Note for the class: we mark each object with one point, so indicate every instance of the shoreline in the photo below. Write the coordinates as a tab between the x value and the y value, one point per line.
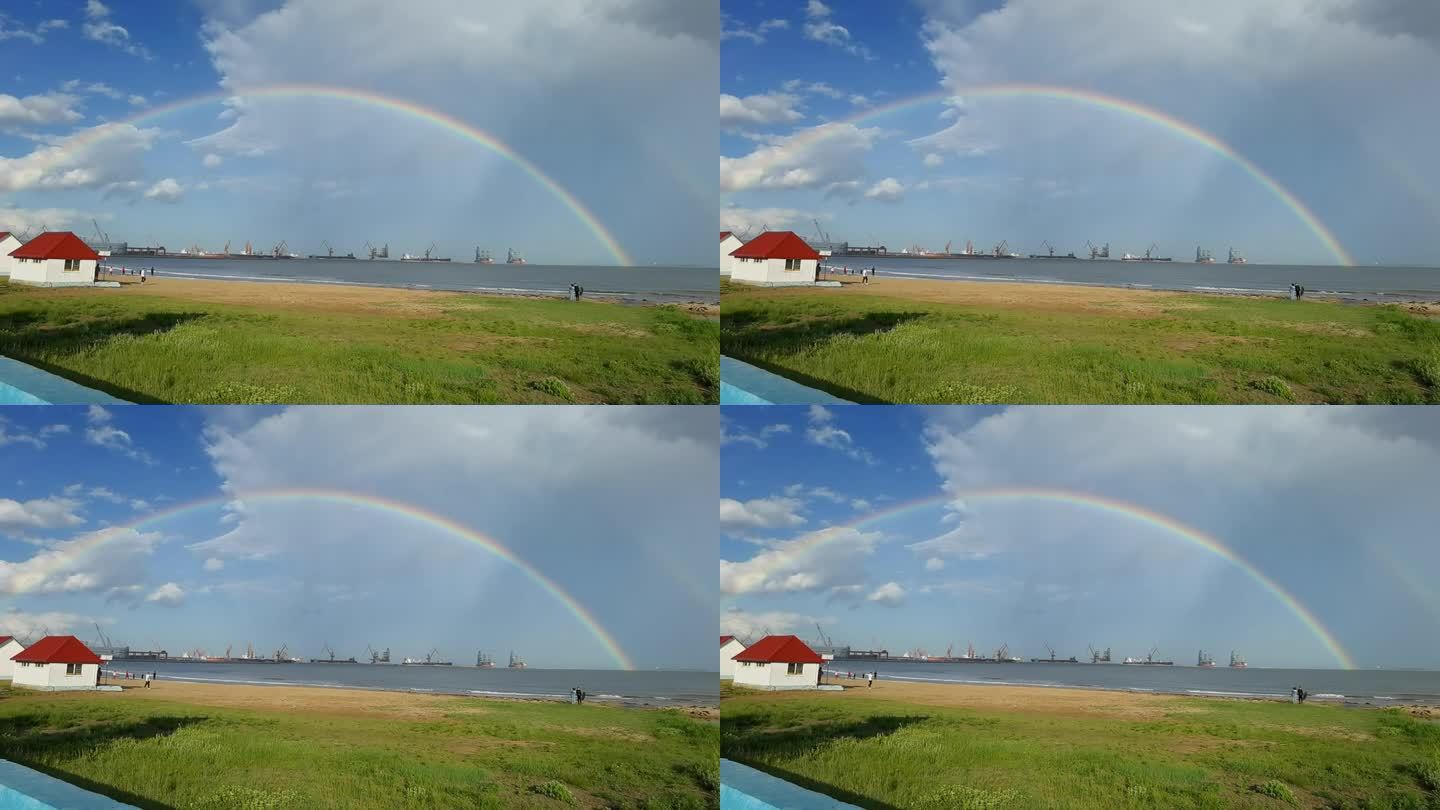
1081	699
647	298
194	685
1424	303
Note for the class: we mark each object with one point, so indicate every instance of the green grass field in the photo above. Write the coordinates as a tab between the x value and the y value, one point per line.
428	348
866	347
475	754
1198	754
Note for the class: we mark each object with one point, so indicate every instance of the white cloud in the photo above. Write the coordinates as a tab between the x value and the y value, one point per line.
823	432
99	28
753	220
167	190
91	562
212	160
213	564
730	434
89	158
890	595
820	28
731	29
101	432
812	562
32	626
43	513
807	158
170	594
758	110
934	564
932	160
887	190
39	110
760	513
750	626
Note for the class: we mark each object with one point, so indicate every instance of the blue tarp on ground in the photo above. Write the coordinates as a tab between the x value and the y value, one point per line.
23	788
21	384
744	788
744	384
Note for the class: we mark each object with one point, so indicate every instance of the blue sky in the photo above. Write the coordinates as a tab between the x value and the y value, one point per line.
1320	95
306	572
612	106
1329	503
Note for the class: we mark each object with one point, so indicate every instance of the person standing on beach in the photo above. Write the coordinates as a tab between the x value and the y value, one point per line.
869	679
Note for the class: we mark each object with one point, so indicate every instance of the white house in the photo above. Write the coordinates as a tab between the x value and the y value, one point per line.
8	243
778	662
54	259
729	243
57	662
775	258
729	648
9	647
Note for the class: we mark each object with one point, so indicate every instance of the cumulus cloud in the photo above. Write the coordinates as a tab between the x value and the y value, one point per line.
89	158
100	28
751	626
820	27
170	594
212	160
889	595
932	160
101	431
812	562
41	513
89	563
32	626
823	432
39	110
168	190
808	158
754	220
760	513
758	110
887	190
213	564
934	564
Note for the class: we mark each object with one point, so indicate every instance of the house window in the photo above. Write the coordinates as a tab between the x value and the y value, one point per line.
72	264
794	669
792	264
73	669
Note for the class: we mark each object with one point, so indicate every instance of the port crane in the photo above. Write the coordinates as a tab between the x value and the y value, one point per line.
1098	252
104	237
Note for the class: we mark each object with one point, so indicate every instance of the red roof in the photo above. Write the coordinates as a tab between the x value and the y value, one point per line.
723	640
780	650
723	235
58	650
4	639
4	234
776	245
56	245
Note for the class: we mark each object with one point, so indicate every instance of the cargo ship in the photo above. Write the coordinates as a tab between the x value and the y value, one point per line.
511	257
1051	253
1097	657
483	257
1236	662
516	662
377	254
379	657
1204	660
431	659
330	254
1202	256
332	659
484	661
1148	257
1149	660
1235	258
1052	659
425	258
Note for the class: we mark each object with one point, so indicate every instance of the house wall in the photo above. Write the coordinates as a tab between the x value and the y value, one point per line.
10	649
52	676
8	244
728	652
729	245
772	271
51	271
776	676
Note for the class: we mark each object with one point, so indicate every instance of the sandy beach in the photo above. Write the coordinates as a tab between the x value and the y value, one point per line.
318	699
1069	298
348	299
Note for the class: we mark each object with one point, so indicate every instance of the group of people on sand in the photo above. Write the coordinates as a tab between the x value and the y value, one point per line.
864	273
576	291
577	695
147	677
1298	695
1296	292
126	271
868	677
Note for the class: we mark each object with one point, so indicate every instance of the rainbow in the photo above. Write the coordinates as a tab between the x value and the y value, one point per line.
376	503
1115	104
379	101
1117	508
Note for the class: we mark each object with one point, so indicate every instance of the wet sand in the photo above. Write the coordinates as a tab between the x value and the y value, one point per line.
314	699
1033	296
